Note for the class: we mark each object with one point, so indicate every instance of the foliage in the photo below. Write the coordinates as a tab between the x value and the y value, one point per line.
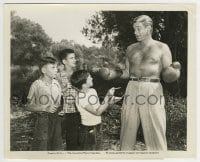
28	41
21	80
91	56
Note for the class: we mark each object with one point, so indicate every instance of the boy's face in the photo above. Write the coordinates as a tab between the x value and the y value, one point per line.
50	70
89	82
70	60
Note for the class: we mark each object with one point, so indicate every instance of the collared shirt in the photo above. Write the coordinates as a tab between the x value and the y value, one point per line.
68	92
43	93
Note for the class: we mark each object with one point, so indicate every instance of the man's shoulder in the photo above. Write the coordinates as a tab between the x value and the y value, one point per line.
132	46
160	44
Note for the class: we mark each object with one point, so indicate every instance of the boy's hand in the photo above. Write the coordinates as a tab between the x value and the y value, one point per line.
112	91
114	100
51	109
61	113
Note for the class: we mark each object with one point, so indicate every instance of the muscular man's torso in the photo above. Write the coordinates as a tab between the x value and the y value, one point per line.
145	61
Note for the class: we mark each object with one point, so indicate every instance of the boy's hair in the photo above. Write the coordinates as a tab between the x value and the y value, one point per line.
78	78
47	60
64	53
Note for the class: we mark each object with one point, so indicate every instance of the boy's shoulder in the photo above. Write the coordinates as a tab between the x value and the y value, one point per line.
36	83
93	91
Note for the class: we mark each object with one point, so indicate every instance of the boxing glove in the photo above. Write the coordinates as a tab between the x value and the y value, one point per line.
171	73
109	74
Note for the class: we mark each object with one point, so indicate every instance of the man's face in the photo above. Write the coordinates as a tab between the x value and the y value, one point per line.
50	70
70	60
141	32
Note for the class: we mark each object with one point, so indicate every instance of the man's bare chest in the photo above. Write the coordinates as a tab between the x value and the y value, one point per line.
149	55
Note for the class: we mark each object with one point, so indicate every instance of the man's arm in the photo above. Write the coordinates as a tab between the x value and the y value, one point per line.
125	72
170	71
110	74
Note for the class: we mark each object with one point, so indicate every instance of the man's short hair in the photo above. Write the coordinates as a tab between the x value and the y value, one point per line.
78	78
146	20
47	60
64	53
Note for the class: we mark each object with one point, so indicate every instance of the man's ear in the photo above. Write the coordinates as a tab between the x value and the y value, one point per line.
149	28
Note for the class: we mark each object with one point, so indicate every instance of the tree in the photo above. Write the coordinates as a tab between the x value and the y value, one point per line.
28	41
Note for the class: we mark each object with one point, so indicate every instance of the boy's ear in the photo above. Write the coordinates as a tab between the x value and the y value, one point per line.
64	61
83	85
43	70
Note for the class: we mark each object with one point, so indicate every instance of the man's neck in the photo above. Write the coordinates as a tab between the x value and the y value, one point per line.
47	79
147	41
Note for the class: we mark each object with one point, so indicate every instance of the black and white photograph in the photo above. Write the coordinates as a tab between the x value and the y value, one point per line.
99	78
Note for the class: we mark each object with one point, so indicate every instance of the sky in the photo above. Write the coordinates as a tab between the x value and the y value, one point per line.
59	22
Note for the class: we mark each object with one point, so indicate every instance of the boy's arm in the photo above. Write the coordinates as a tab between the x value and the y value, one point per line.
40	108
97	111
102	107
35	108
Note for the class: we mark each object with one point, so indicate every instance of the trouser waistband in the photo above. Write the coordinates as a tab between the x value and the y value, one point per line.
144	79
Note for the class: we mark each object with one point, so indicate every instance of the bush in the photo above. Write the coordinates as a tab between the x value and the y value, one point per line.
21	80
176	111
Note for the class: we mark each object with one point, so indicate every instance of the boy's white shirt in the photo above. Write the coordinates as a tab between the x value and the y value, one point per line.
84	99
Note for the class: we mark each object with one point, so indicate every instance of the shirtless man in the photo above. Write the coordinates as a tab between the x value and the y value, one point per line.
146	61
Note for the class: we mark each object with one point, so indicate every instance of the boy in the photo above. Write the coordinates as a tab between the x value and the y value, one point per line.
89	107
44	99
71	115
